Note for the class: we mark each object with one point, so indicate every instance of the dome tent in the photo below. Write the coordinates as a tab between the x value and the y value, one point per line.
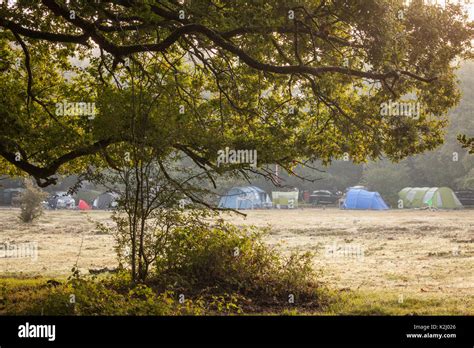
435	197
106	200
83	205
365	200
246	197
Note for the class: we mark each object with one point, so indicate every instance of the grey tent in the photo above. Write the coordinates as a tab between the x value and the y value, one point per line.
10	196
246	197
107	200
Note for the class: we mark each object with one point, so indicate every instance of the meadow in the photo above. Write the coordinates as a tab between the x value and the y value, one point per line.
383	262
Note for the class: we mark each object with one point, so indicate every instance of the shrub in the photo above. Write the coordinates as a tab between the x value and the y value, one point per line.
31	202
221	266
224	259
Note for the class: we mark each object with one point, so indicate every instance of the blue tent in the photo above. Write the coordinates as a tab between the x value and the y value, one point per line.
248	197
362	199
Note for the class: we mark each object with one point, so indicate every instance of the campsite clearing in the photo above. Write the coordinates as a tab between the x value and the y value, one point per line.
405	254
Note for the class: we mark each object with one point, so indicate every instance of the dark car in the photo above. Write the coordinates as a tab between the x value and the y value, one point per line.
466	197
323	197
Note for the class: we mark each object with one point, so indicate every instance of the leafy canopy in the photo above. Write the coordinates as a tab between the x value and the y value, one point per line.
295	80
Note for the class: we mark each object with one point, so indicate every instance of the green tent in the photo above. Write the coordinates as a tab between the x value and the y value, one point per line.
434	197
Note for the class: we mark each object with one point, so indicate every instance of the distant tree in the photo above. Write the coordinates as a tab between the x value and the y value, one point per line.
31	202
466	108
450	163
387	179
467	182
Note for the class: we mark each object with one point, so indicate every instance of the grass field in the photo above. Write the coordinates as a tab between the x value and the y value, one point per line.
391	262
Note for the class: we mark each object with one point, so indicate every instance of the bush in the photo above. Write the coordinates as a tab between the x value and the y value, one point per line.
224	259
31	202
218	266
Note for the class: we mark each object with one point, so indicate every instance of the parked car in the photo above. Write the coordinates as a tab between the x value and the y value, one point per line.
323	197
61	200
466	197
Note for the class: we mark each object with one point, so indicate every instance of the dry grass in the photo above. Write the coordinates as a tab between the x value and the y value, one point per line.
409	254
59	236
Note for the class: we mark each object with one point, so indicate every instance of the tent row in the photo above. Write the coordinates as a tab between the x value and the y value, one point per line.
63	200
252	197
